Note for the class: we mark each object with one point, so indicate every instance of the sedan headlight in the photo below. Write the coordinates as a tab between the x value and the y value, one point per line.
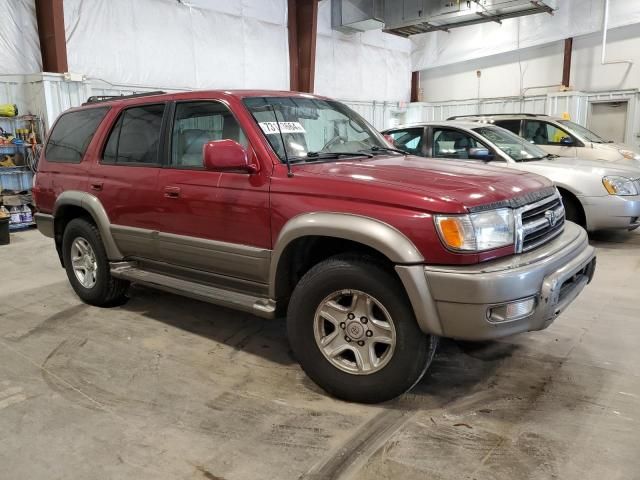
619	186
629	154
478	231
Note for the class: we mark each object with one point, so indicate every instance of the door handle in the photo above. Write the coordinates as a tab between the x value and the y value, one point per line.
97	186
172	192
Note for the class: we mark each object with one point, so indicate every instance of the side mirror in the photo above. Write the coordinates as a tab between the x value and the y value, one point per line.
480	154
567	141
226	155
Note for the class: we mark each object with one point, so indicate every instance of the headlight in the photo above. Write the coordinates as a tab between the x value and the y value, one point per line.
629	155
619	186
478	231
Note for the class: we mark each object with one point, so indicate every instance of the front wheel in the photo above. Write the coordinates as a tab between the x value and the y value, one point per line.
87	265
353	331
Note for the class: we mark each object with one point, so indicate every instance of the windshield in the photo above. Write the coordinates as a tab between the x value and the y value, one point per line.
313	128
516	147
588	135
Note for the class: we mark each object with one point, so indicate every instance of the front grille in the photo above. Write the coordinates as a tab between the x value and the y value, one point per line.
636	183
540	222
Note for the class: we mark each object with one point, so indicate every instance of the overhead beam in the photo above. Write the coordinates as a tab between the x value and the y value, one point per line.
303	28
566	67
53	44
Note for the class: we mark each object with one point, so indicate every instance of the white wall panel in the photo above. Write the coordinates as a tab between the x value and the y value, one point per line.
573	18
193	44
361	66
19	44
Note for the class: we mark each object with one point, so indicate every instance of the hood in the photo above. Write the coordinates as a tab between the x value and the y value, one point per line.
467	183
622	167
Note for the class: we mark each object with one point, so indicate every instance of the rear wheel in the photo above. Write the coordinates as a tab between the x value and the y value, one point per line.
353	331
87	265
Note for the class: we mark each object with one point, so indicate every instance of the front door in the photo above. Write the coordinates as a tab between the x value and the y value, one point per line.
217	222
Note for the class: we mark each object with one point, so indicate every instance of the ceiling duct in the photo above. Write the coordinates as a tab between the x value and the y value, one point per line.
411	17
349	16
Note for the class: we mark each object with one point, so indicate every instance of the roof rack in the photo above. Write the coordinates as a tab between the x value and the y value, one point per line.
455	117
107	98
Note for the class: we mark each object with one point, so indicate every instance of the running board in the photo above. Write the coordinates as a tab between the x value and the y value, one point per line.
259	306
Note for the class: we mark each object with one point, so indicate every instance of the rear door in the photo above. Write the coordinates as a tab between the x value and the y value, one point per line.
125	177
550	137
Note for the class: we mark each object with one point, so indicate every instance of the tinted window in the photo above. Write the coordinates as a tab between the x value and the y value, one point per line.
409	140
72	134
197	123
453	144
511	125
543	133
135	138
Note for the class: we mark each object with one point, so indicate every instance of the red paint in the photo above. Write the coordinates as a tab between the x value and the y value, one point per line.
251	208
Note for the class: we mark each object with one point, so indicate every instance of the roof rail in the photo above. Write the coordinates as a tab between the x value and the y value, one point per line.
106	98
455	117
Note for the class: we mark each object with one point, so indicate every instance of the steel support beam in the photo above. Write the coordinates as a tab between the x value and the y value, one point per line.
303	28
566	67
53	44
415	86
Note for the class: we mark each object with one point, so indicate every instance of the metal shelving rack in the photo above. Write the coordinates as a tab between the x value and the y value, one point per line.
19	178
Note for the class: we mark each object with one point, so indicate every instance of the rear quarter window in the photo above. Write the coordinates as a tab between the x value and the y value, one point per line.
72	134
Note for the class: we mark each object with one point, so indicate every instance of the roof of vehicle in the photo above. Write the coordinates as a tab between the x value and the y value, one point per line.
503	116
143	97
451	123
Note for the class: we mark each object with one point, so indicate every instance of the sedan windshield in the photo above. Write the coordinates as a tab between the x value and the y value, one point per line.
314	129
514	146
588	135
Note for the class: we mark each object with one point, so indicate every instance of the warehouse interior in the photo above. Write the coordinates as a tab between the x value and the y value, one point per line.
167	384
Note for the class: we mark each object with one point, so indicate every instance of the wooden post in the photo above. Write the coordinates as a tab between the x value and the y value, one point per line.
566	68
303	27
53	43
415	86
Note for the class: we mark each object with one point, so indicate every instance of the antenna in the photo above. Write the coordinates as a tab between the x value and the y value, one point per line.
284	147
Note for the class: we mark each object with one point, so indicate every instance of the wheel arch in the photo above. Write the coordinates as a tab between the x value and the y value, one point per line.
75	204
345	230
568	193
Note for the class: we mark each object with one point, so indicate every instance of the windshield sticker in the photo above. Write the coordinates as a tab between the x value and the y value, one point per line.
286	127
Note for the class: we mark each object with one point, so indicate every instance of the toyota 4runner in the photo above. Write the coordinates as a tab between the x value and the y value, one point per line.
281	203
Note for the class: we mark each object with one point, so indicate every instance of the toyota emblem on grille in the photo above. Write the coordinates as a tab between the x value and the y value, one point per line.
550	215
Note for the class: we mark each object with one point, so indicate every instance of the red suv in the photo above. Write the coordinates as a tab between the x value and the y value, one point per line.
286	203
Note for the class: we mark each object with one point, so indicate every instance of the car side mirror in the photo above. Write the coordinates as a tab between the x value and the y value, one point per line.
480	154
226	155
567	141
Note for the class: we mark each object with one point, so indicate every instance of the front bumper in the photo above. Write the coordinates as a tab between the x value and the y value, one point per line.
612	212
455	301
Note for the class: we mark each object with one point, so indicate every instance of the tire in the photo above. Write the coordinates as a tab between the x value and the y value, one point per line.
573	211
99	287
336	285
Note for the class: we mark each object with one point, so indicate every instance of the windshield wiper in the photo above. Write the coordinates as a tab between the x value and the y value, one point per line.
313	156
375	148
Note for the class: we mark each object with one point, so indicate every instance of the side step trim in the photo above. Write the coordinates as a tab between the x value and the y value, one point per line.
262	307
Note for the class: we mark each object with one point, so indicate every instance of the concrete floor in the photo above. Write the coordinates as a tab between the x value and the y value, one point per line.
169	388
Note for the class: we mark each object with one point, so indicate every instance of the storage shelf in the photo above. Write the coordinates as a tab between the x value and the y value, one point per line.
21	226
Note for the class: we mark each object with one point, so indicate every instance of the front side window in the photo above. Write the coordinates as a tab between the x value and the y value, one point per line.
72	134
514	146
197	123
543	133
135	138
313	128
449	143
409	140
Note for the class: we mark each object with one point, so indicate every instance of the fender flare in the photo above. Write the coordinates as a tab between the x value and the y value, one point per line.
378	235
91	205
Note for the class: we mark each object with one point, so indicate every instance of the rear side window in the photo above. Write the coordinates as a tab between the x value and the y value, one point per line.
409	140
135	138
511	125
72	134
